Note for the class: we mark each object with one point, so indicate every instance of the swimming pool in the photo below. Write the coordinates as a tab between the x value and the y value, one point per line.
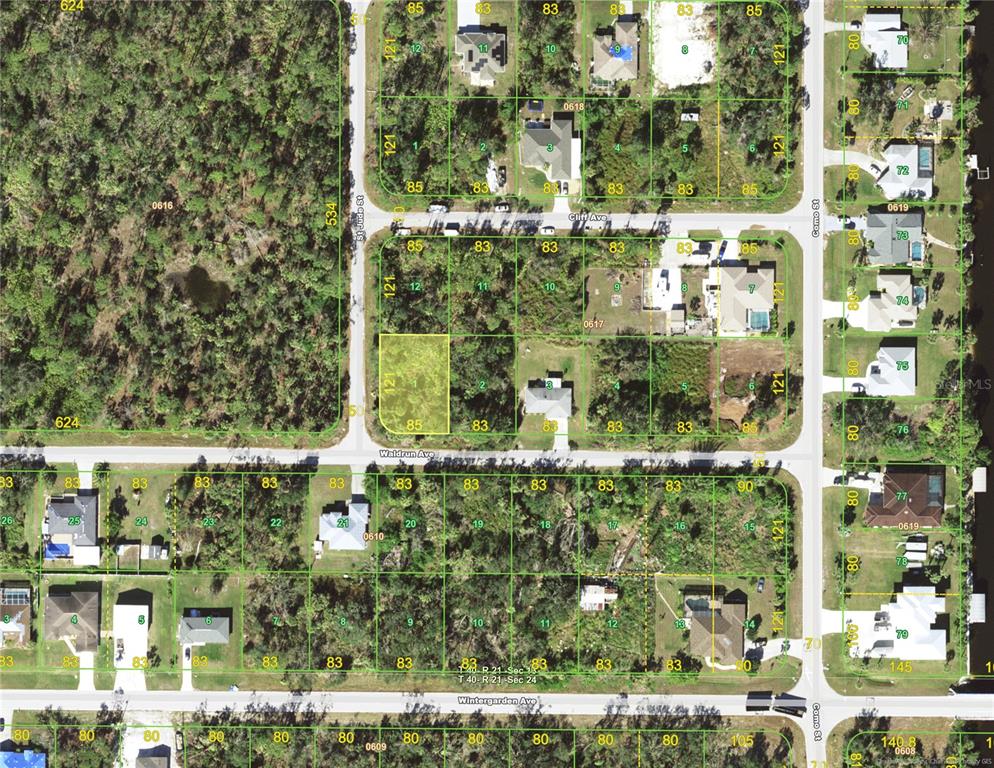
759	321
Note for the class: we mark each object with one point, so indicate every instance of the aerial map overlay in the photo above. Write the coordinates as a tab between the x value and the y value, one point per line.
509	384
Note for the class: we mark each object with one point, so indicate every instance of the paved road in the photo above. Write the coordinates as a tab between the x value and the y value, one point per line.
358	449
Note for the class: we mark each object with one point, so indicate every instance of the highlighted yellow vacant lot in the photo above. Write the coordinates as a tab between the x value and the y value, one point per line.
414	383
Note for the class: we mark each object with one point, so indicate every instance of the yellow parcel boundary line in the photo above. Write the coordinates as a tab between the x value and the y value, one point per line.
408	352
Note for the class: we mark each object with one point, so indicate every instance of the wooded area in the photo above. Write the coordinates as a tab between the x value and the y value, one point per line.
170	259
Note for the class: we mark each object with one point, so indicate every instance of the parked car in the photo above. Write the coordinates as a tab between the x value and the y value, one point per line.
761	584
548	230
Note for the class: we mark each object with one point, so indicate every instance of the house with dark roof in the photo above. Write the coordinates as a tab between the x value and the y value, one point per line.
154	757
72	613
909	497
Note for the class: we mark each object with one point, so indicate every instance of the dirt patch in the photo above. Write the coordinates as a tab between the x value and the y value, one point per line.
744	366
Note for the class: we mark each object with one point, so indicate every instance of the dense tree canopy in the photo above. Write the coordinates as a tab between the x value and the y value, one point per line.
167	258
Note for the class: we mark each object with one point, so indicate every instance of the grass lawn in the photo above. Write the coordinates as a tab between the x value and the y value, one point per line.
838	267
134	503
866	192
218	595
834	500
942	222
536	357
613	301
851	678
880	566
835	357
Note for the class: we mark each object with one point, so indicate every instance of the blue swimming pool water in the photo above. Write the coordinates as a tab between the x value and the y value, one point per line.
623	52
759	321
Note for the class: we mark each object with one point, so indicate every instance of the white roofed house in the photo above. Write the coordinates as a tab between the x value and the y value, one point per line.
907	628
551	398
883	34
893	373
894	304
597	596
909	172
132	615
741	297
342	526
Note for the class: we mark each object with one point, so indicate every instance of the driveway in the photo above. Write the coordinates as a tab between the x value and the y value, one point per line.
87	660
187	684
864	161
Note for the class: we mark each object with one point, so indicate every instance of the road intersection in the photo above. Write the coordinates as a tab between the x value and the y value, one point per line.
803	459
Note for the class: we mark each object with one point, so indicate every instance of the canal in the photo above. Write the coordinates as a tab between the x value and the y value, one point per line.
981	318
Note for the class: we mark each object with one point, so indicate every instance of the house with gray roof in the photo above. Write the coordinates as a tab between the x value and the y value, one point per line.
152	761
154	757
909	172
550	397
199	626
483	53
69	529
895	237
616	53
552	147
72	613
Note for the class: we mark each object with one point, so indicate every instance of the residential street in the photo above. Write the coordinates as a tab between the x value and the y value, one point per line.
802	459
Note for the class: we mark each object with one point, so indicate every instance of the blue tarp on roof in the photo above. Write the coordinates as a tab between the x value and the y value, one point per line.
53	551
29	759
623	52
